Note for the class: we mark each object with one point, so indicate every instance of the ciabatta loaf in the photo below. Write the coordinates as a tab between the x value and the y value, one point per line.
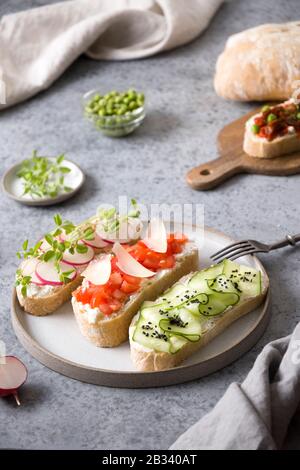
260	63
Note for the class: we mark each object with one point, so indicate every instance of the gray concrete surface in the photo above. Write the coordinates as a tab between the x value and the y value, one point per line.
184	117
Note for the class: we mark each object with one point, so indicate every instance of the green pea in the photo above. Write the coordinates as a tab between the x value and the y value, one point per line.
132	105
265	108
122	110
271	117
101	112
96	97
298	116
255	129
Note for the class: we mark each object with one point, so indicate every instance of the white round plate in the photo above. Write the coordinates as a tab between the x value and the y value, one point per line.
13	186
55	340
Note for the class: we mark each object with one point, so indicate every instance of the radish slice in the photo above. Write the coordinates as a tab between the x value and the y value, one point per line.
99	270
129	229
45	246
128	264
28	269
78	259
156	238
47	273
13	375
96	243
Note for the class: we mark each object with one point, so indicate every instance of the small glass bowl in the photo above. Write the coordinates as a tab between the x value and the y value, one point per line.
114	126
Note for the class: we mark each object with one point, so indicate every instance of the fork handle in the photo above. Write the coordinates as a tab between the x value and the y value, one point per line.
288	240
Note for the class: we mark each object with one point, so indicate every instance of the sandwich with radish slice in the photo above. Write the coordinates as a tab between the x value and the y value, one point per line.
51	270
116	284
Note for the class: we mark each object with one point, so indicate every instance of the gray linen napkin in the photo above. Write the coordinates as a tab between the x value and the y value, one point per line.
36	46
254	415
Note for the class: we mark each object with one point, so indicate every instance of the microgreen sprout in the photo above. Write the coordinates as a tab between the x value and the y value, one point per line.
43	176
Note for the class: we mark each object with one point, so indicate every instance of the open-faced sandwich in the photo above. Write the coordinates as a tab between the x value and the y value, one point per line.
116	284
192	312
275	131
51	270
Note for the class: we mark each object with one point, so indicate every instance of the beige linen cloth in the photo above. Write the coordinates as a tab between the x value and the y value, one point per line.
36	46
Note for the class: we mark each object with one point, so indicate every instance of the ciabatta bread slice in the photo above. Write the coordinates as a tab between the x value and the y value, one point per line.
273	132
110	331
256	146
148	360
41	305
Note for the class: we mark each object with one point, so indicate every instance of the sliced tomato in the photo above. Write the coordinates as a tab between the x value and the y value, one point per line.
119	295
132	279
128	288
114	305
115	279
167	263
105	309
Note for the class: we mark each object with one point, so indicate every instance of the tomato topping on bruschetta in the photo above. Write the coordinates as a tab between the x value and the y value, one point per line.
110	297
276	121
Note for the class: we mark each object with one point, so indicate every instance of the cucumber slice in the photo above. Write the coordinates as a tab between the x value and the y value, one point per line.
176	343
154	311
246	280
150	336
218	302
182	322
221	284
198	281
193	304
175	292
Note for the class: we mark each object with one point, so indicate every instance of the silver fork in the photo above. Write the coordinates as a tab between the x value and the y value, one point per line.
249	247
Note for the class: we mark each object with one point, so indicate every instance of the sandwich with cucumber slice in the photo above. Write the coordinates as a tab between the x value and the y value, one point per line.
190	314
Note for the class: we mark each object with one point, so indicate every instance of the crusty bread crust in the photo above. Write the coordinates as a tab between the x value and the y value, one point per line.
41	306
150	361
262	148
260	64
112	331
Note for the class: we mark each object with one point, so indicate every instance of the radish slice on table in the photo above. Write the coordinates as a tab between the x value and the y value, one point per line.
28	269
99	270
77	259
128	264
47	272
13	374
156	238
96	243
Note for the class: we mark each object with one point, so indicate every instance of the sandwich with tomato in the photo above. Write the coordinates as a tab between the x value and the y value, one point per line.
117	283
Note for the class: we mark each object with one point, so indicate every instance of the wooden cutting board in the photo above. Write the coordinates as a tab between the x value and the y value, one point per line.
233	160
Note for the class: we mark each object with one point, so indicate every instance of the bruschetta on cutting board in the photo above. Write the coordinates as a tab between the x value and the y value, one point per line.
273	132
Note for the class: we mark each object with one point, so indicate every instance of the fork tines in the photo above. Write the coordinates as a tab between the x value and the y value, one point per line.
233	251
